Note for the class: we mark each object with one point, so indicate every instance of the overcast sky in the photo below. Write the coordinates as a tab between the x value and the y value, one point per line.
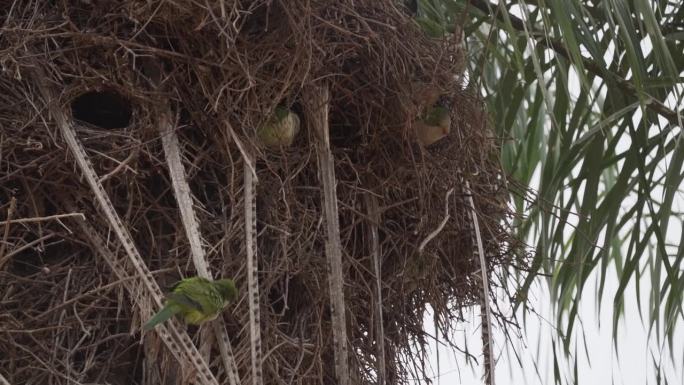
632	365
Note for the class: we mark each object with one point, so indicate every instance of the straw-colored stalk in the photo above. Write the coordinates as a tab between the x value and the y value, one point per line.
252	277
183	197
374	214
485	310
317	99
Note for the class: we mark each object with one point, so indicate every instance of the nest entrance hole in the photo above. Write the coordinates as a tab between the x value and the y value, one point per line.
106	109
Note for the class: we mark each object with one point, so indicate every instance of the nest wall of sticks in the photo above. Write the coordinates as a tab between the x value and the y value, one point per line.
130	157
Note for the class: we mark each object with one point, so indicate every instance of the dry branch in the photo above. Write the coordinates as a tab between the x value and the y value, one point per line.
3	380
183	196
487	339
41	219
317	101
373	213
10	213
252	274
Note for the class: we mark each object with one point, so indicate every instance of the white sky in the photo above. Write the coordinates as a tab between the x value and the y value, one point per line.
631	365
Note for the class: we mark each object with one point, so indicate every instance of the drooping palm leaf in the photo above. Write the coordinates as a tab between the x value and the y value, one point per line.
586	97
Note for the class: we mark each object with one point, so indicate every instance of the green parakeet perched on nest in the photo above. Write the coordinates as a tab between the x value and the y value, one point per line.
196	300
280	129
433	125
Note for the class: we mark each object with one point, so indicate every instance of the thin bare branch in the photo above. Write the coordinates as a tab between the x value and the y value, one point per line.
317	99
252	274
487	339
189	219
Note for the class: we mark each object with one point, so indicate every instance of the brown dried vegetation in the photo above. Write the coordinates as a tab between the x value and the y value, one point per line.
65	315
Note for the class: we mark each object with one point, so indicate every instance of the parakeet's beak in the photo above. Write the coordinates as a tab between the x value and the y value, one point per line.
280	129
433	126
227	289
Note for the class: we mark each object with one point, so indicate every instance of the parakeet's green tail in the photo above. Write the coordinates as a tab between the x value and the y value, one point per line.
164	314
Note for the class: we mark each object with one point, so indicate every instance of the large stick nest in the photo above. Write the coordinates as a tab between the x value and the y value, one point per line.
65	316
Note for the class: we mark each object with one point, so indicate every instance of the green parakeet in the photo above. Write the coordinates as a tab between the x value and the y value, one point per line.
434	125
196	300
280	129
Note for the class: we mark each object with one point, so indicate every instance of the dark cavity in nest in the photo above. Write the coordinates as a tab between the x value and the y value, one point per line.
105	109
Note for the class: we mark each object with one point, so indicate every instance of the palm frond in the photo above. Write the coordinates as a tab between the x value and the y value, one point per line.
586	98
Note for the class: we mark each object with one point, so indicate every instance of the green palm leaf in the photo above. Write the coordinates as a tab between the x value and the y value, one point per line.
587	96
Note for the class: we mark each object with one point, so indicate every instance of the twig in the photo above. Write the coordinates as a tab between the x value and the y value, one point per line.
427	239
373	213
3	380
88	293
185	204
41	219
5	236
181	191
441	225
486	311
24	247
252	276
241	147
120	166
317	99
